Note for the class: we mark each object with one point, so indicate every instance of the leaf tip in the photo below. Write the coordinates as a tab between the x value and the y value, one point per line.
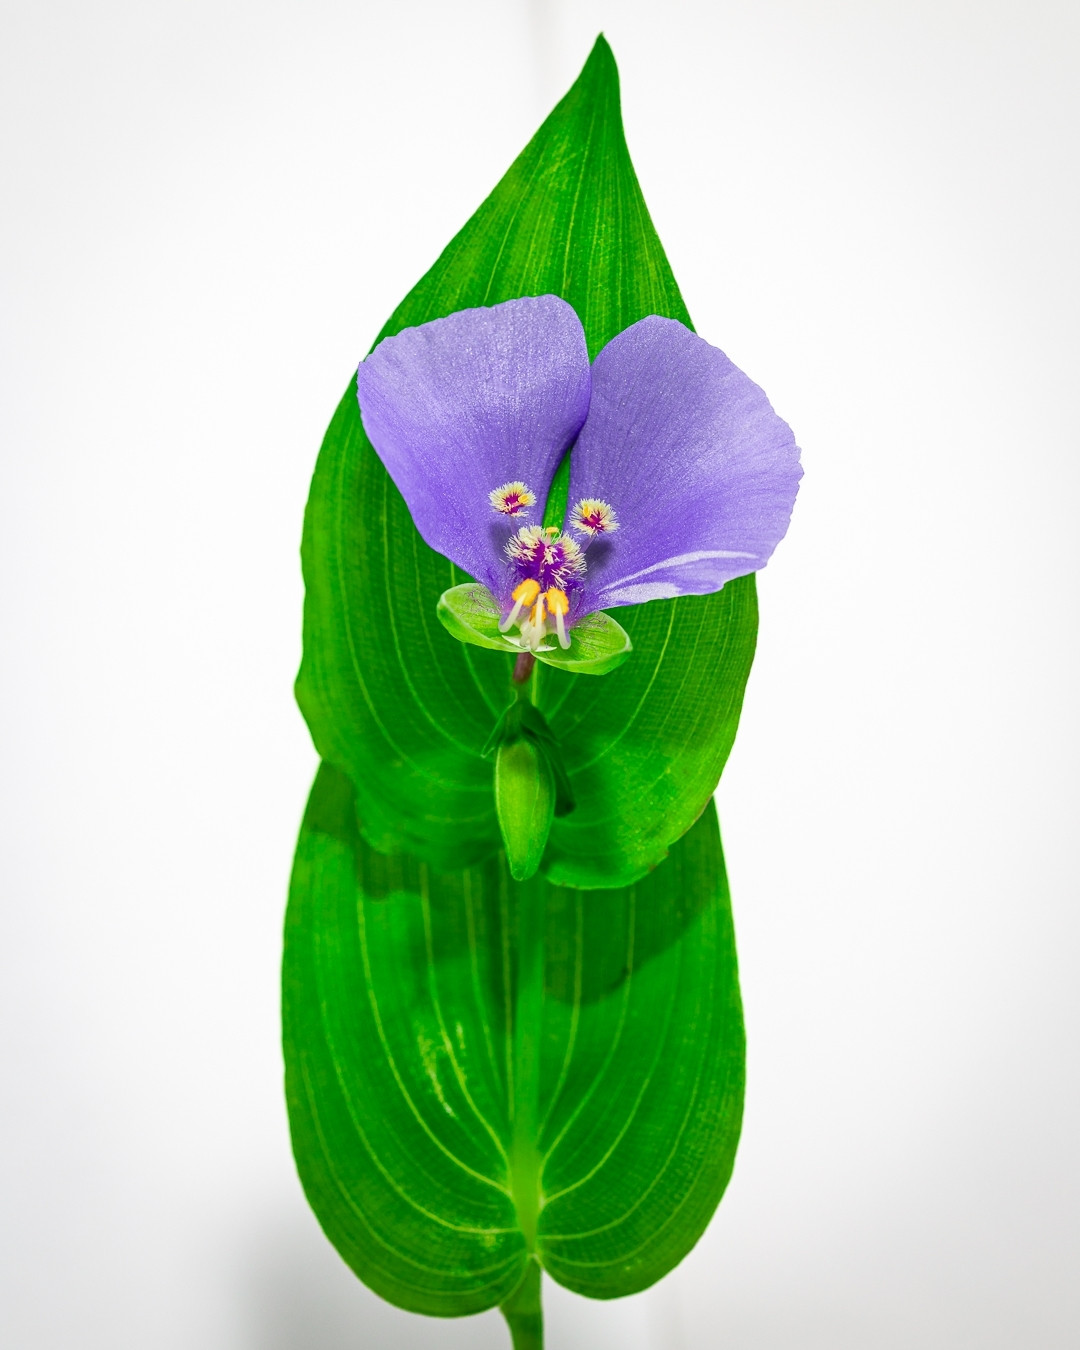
600	69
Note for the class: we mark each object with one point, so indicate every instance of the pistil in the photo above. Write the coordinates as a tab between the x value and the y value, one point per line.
534	629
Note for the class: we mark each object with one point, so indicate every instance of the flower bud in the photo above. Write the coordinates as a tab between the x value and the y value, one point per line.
525	803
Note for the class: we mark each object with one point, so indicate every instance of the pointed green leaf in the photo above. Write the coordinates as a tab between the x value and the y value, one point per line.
390	697
475	1067
644	747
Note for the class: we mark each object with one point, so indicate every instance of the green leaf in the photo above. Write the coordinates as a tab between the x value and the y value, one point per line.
644	747
477	1068
389	696
597	643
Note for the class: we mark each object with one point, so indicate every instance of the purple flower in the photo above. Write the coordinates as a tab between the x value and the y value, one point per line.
681	475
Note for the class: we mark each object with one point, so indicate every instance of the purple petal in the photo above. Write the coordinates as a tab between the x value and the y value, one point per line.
462	405
700	471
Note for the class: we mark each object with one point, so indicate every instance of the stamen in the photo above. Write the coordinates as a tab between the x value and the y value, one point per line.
559	605
512	499
522	595
592	516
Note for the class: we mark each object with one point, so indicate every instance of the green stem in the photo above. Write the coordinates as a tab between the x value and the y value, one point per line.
523	1312
522	1308
528	1011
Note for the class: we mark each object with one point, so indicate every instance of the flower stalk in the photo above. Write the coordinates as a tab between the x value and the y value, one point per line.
523	668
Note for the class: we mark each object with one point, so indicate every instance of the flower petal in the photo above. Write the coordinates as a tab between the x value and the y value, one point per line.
700	471
462	405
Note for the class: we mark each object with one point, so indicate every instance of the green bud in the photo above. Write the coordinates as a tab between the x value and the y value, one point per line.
525	803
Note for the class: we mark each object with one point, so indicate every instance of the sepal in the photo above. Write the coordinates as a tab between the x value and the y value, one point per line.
597	643
470	614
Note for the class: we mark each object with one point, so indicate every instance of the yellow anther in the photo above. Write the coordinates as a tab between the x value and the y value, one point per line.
522	595
526	592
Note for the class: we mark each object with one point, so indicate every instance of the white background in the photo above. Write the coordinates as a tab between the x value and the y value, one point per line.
209	208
